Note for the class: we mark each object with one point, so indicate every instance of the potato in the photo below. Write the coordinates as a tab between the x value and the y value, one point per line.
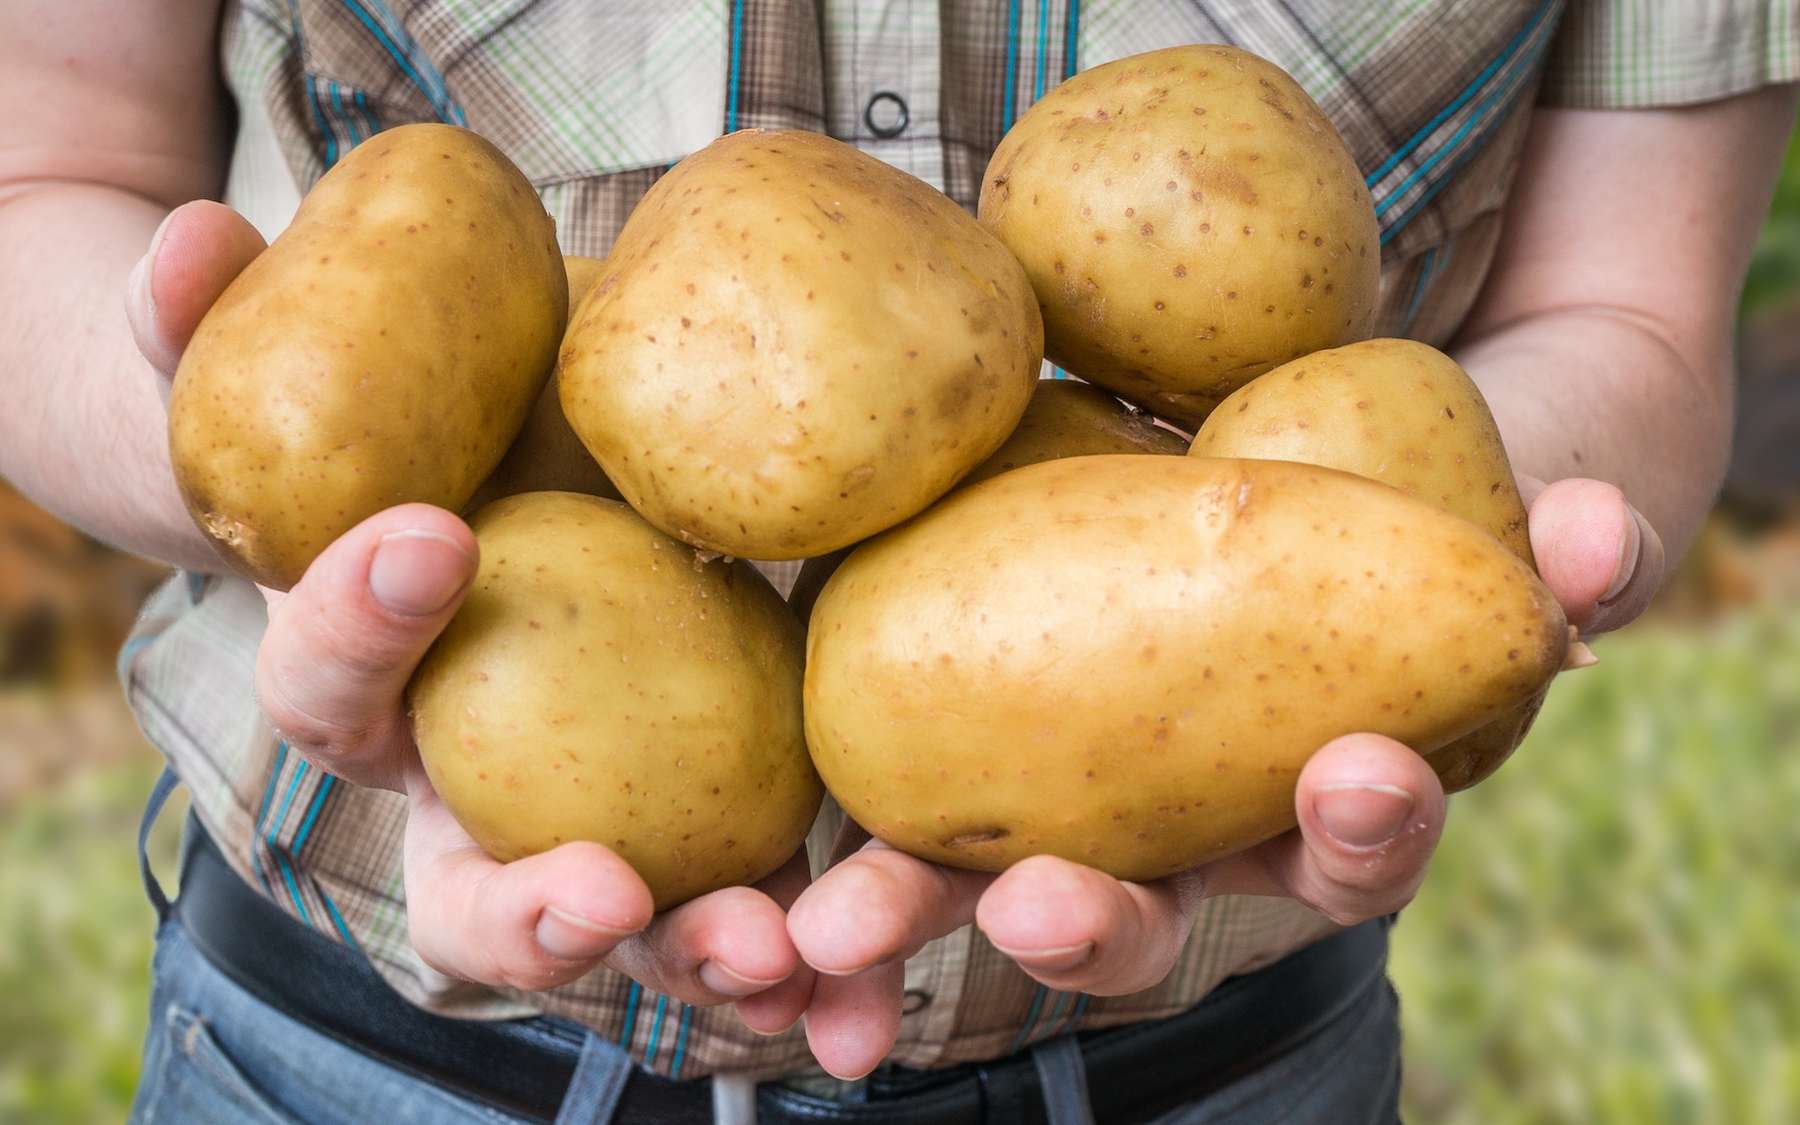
384	349
600	683
1407	415
547	456
1189	219
1125	661
583	274
1064	418
794	346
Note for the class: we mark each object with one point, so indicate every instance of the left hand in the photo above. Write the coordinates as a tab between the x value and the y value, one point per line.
1370	812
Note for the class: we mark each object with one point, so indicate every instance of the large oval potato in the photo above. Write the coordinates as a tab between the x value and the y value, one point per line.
1125	661
1405	414
1065	418
795	346
1189	219
384	349
600	683
547	456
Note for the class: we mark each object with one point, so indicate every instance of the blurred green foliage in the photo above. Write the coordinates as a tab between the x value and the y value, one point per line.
75	938
1775	267
1607	933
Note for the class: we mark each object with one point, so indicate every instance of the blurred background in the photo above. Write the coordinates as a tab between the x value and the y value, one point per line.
1608	933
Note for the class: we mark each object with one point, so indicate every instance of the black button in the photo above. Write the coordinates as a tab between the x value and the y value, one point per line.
894	114
914	1000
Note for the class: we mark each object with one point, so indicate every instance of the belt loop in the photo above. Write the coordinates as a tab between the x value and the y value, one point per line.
1062	1076
597	1084
159	796
734	1099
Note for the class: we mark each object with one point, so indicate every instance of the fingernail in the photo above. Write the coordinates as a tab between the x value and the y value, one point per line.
1058	960
1363	816
725	982
572	938
138	283
1628	557
415	573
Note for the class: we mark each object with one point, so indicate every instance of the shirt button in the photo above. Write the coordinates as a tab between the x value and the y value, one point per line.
886	114
914	1000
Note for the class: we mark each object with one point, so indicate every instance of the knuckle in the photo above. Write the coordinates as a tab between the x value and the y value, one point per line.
319	736
1352	898
531	974
1343	916
361	646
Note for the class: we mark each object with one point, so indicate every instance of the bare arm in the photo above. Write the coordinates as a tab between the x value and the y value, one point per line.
1603	337
113	115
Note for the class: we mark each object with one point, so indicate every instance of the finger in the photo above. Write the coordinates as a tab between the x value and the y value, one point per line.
854	1020
1370	812
196	252
879	906
719	947
780	1007
1080	930
1598	554
340	647
531	924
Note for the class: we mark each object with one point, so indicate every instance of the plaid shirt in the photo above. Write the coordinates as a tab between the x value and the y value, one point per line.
595	100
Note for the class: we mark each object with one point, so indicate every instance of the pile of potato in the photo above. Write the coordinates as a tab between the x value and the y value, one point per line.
1047	631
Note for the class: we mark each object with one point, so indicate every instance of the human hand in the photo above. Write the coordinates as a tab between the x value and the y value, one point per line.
1370	812
331	676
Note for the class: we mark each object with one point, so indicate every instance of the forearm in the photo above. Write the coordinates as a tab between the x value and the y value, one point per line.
1595	392
1603	335
83	432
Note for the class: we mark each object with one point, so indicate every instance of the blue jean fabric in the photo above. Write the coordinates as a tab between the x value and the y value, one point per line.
216	1053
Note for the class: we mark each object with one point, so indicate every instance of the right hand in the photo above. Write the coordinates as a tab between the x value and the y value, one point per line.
331	676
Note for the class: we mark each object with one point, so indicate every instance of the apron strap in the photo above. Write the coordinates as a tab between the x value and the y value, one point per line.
1062	1075
597	1085
159	796
734	1099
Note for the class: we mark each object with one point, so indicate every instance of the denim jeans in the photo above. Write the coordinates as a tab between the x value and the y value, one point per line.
215	1052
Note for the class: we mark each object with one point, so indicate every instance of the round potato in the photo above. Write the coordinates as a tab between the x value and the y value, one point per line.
1407	415
794	346
1189	219
547	456
1126	661
1065	418
601	683
384	349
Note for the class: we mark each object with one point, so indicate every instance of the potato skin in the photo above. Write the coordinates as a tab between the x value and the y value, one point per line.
600	683
1189	219
1065	418
547	456
384	349
795	346
1405	414
1125	661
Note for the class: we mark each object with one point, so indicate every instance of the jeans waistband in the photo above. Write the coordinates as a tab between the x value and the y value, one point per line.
526	1066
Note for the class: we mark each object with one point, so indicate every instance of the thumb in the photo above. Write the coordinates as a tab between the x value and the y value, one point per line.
196	252
341	645
1597	553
